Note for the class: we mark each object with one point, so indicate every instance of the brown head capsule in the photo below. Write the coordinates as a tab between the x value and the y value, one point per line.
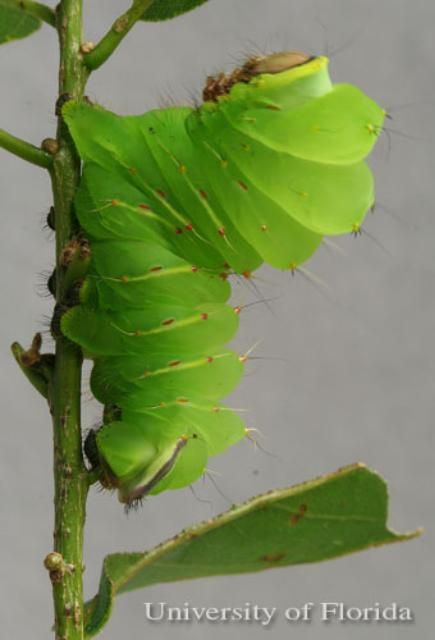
221	84
276	62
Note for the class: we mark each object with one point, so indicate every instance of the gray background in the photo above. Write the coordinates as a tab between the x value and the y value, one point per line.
357	379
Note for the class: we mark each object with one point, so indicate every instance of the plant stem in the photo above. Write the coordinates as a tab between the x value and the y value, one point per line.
25	150
70	475
37	9
116	34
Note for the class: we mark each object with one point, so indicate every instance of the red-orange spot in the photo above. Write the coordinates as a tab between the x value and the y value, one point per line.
243	185
114	203
223	275
189	227
182	400
221	231
237	310
161	193
247	274
154	269
204	316
178	230
210	359
137	333
194	269
167	322
144	206
203	194
174	363
125	278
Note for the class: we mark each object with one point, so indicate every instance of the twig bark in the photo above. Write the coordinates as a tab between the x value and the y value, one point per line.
116	34
25	150
58	377
70	475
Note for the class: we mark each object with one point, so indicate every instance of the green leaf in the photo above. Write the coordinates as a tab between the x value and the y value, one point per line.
165	9
15	23
328	517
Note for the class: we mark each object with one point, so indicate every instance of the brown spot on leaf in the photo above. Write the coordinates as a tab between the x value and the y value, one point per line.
295	517
192	536
273	557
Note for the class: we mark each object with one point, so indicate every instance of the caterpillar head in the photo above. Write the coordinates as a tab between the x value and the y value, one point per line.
274	63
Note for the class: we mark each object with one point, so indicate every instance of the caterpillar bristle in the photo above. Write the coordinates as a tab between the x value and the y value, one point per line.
333	246
256	443
208	473
198	499
379	206
360	231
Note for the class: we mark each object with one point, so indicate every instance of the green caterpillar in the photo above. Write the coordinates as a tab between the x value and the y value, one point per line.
175	201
